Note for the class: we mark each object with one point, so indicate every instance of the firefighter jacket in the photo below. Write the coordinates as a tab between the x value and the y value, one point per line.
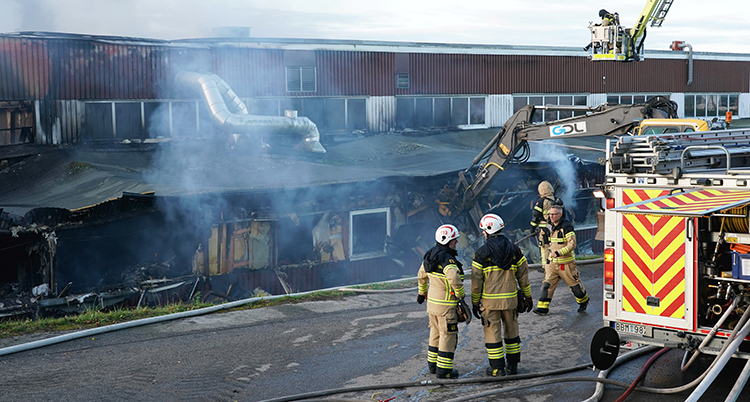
542	205
444	274
562	239
496	268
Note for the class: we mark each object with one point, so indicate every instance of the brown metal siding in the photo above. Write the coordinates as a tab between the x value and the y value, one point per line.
35	69
504	74
24	69
251	72
355	74
66	69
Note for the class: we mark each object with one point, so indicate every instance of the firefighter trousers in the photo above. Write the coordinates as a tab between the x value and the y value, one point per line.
443	340
495	321
553	272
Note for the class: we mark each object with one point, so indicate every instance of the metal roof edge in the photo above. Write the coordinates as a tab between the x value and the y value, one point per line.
367	45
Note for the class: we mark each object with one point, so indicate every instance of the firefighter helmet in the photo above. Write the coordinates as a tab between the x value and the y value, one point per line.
444	234
491	223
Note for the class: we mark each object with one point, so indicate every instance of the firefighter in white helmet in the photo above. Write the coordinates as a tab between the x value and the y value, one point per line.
444	274
499	268
561	262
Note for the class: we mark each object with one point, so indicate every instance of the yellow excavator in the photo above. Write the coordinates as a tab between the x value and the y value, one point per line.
612	41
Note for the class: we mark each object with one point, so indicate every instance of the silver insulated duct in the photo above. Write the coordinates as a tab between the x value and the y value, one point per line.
230	114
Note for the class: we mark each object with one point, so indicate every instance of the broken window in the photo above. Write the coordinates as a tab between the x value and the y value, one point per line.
368	230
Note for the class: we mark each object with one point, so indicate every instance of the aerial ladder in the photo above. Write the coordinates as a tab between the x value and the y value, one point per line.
615	42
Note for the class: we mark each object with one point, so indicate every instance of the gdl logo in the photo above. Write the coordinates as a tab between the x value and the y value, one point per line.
567	129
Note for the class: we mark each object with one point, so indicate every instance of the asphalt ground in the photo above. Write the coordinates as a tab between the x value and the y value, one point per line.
371	340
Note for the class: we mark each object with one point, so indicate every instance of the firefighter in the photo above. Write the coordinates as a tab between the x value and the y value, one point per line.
542	204
497	266
609	18
540	212
444	274
560	263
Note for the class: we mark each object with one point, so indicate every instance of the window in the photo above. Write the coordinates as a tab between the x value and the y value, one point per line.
301	79
520	101
630	99
367	232
710	105
402	81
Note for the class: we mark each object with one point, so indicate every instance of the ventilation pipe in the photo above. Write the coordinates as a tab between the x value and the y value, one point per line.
680	45
230	114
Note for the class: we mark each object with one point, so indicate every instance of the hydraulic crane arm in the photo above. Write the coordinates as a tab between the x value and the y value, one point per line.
513	136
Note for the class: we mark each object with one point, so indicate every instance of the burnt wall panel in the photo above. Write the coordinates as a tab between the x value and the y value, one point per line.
67	69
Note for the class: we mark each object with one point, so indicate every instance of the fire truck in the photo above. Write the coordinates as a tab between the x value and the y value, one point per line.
677	244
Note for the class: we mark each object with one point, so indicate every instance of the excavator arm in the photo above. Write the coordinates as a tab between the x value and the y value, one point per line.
511	141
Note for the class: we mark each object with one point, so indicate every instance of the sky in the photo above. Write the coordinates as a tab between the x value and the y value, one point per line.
708	26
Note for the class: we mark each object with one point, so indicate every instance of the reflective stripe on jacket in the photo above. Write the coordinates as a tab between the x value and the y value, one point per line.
442	289
562	238
498	269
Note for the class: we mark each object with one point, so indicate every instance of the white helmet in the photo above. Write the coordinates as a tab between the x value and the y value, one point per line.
491	223
445	234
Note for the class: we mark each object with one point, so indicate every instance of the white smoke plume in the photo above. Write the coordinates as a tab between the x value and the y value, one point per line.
556	154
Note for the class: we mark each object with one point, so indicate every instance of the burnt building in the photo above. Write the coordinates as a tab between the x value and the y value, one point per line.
119	183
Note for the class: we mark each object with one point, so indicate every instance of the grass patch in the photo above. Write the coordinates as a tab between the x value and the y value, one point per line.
94	318
408	283
587	257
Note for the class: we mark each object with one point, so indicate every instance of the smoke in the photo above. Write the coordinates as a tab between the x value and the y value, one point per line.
564	165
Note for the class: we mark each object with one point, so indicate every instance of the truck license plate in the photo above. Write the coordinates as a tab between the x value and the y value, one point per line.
634	329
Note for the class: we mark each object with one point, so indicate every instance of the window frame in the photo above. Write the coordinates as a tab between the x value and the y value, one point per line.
307	76
371	254
711	104
575	99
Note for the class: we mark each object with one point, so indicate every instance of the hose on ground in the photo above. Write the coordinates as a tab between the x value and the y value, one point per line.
423	383
721	361
599	392
145	321
641	374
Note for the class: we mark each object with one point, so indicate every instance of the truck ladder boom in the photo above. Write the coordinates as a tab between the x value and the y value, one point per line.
661	12
690	152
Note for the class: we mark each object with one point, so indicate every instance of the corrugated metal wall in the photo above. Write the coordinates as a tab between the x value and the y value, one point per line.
62	68
381	113
58	121
74	68
59	69
504	74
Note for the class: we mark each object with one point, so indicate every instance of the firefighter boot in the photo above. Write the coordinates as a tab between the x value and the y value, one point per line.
542	307
512	369
581	297
432	358
445	365
432	367
495	372
446	373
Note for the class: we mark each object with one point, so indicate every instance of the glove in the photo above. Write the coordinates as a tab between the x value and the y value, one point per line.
475	311
528	304
420	299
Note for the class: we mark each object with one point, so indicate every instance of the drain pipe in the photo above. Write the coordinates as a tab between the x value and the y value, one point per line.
680	45
215	94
